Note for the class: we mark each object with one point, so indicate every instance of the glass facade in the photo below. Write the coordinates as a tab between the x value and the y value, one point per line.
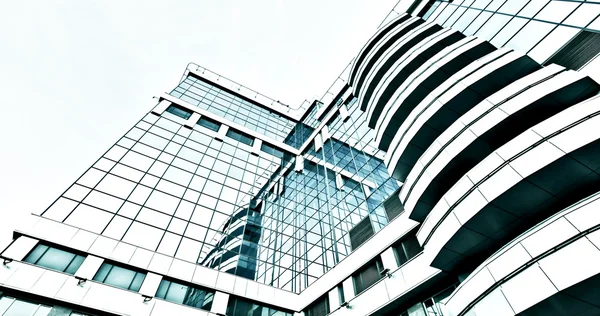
214	194
537	27
184	193
233	108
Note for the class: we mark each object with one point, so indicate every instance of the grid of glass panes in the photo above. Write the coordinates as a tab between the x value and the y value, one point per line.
351	148
233	108
166	188
303	129
307	226
537	27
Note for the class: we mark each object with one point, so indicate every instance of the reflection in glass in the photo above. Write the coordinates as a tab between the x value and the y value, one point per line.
184	294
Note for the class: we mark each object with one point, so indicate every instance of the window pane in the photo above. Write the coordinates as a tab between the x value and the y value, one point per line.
183	294
137	282
20	308
35	255
55	259
103	272
197	297
162	289
239	136
75	264
120	277
412	247
183	113
176	293
208	123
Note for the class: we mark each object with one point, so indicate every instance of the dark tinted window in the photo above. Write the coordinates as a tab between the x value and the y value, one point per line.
578	52
361	232
55	259
319	308
368	275
393	207
406	249
120	277
271	150
240	137
179	111
186	295
210	124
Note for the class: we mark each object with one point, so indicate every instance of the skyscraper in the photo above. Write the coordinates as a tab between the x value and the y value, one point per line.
451	169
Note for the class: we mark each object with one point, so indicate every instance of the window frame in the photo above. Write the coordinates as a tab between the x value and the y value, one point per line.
186	295
400	244
357	277
120	266
76	255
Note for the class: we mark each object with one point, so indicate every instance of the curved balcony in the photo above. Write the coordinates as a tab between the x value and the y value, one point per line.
552	267
383	48
374	72
545	169
486	127
374	41
422	82
419	54
449	101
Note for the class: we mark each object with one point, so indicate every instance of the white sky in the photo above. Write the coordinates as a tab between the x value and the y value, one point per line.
76	75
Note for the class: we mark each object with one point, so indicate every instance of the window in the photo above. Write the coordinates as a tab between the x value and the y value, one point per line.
186	295
55	259
361	232
340	289
241	307
179	111
578	52
10	306
240	137
367	275
319	308
271	150
393	206
208	123
120	277
407	249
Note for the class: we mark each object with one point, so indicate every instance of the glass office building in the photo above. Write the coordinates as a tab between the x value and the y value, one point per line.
451	169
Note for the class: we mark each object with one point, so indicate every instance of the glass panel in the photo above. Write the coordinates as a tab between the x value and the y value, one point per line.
242	138
44	311
137	282
210	124
20	308
55	259
120	277
162	289
183	113
35	255
176	293
103	272
5	303
75	264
